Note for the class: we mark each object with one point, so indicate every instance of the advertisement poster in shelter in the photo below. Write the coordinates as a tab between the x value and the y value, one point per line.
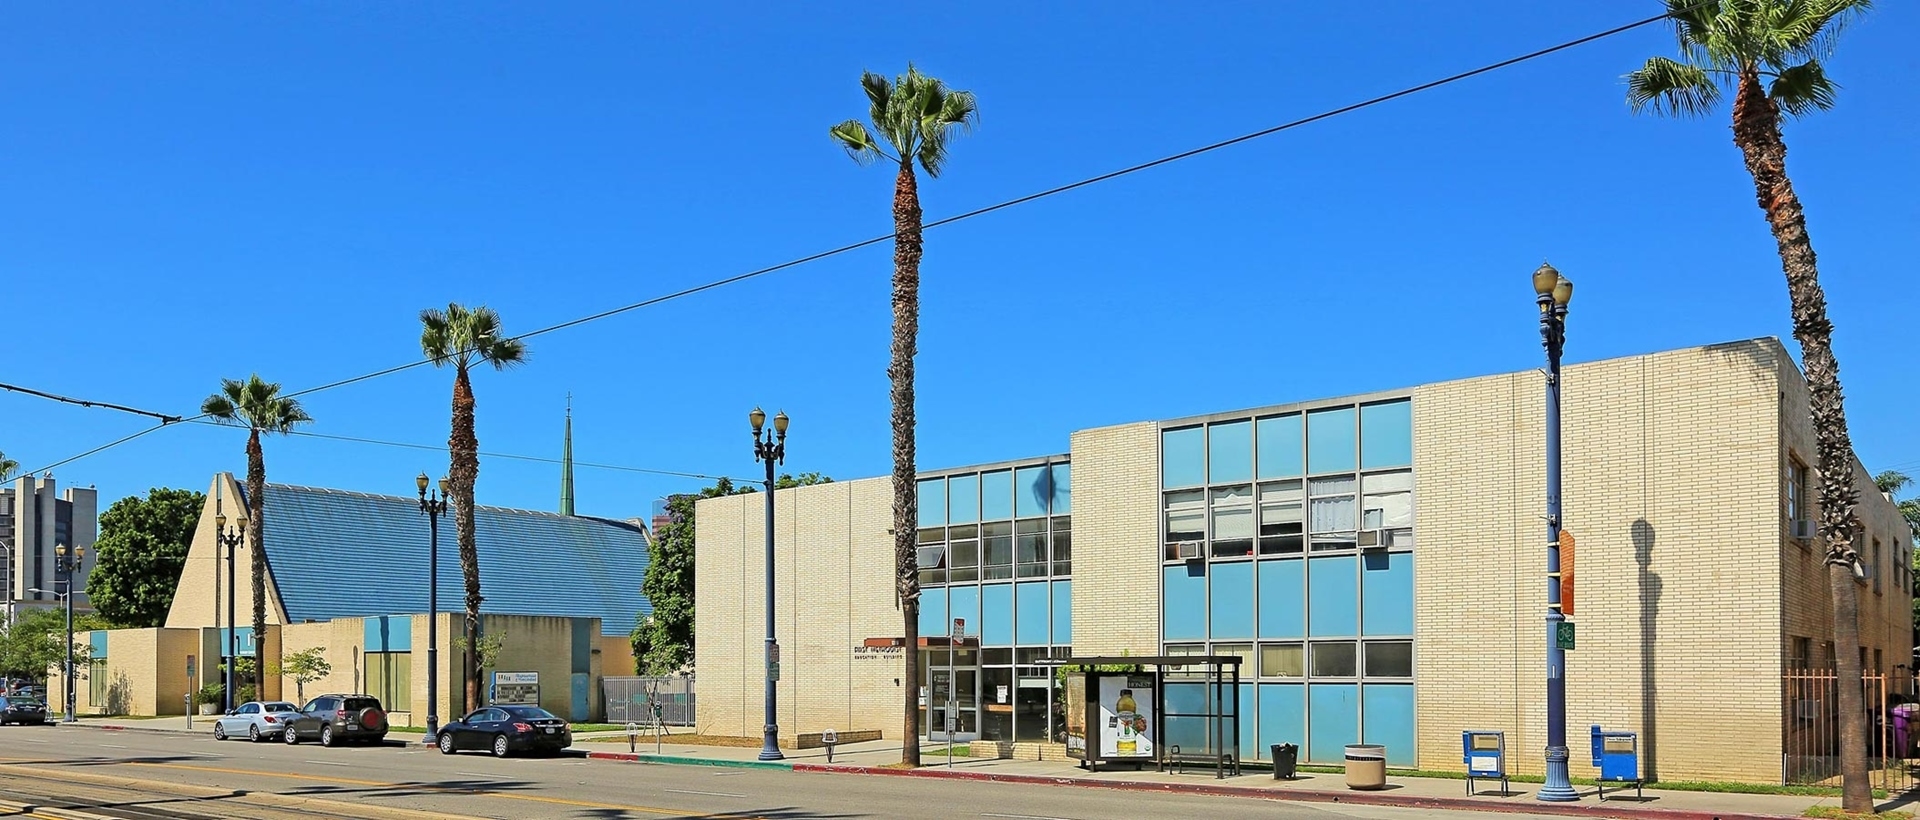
1076	695
1126	716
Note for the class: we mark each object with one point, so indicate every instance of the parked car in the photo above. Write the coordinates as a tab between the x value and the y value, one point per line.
22	710
505	730
256	720
336	719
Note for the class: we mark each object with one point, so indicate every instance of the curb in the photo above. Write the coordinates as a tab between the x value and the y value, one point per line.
630	757
114	727
1351	797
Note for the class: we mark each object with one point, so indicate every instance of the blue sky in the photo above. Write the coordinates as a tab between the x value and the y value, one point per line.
203	191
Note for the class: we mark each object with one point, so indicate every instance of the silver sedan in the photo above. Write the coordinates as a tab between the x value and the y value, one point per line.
255	720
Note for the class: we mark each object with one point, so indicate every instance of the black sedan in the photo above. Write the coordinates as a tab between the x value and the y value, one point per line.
22	710
505	730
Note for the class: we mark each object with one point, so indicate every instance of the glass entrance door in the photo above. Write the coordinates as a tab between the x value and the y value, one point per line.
955	693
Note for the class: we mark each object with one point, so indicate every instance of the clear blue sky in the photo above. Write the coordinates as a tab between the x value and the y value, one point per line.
198	192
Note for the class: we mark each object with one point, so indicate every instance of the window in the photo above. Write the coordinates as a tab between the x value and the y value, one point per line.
1061	481
1386	501
1030	548
932	555
1333	660
1796	493
1063	546
1280	518
933	502
963	553
1386	434
1876	661
1230	452
1331	513
1233	521
1183	457
963	499
97	693
1392	659
996	495
1279	446
1285	660
390	678
1033	489
1330	441
1186	520
996	541
1875	571
1801	656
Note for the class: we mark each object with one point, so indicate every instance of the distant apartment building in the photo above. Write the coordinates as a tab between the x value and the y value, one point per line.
34	521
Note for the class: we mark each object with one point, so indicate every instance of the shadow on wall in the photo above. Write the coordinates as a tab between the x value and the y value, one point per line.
120	695
1650	590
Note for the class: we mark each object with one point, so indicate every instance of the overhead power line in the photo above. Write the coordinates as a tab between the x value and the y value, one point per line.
14	388
1022	200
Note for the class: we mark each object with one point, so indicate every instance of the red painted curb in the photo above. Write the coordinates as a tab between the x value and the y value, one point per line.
1386	798
612	756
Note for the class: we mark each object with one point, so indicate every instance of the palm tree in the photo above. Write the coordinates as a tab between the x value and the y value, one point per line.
7	466
259	406
917	115
1768	52
1890	482
464	338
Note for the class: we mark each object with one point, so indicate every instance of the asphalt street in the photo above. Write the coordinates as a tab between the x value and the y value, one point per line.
82	774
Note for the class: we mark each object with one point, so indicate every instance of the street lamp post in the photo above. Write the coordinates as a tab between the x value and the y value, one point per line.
434	506
1552	292
771	448
69	563
229	539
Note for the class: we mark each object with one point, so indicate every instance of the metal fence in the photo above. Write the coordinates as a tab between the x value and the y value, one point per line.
1810	731
630	699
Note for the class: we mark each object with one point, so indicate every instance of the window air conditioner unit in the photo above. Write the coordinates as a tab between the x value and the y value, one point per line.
1861	572
1803	528
1189	550
1375	539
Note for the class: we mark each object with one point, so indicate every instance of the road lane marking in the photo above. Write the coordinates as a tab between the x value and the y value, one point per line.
486	776
111	746
709	794
559	801
1023	817
328	763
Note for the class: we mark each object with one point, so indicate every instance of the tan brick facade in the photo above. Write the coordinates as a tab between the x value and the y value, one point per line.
1116	540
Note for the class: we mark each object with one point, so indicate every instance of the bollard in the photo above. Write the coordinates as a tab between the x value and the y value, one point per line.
189	700
633	737
829	738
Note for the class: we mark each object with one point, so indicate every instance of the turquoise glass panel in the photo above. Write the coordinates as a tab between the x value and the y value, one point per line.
1187	698
933	502
1283	714
1183	457
1333	605
1062	482
963	498
1250	747
241	640
1030	613
1032	489
1233	600
996	495
1283	599
996	615
1334	709
1386	594
1330	440
1278	440
933	612
1189	733
1062	613
1389	720
382	633
1230	452
1183	608
962	602
97	644
1386	435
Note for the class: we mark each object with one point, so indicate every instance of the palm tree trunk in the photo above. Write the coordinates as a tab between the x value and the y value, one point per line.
906	498
256	527
1756	130
464	449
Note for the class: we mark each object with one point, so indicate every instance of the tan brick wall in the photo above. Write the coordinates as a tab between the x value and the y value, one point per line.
1116	540
146	674
194	599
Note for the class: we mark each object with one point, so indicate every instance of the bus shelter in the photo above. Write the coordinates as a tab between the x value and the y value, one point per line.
1163	709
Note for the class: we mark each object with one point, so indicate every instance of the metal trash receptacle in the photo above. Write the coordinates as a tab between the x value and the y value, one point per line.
1366	766
1286	758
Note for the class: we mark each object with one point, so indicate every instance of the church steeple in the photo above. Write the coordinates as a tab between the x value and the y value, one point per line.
566	464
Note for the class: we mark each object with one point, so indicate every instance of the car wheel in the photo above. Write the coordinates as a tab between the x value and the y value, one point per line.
446	743
326	735
290	736
500	746
253	733
219	732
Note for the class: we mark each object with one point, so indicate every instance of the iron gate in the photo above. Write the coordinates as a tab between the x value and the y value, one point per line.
630	699
1810	731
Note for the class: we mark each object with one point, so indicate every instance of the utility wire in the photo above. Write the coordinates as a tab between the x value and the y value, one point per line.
14	388
1132	169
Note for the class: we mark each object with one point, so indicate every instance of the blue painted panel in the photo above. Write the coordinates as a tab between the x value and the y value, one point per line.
1062	613
1283	715
580	690
1330	440
1062	489
963	498
1250	747
1186	698
1386	435
1030	613
582	647
239	641
1331	596
1386	594
1183	608
1283	599
933	502
996	495
963	602
1233	600
1389	719
384	633
1033	488
1335	712
1183	457
1230	452
1278	440
97	645
996	615
1189	733
933	611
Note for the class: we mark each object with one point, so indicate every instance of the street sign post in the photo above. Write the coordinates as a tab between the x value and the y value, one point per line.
1563	635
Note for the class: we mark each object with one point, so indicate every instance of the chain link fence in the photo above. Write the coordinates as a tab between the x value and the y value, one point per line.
632	699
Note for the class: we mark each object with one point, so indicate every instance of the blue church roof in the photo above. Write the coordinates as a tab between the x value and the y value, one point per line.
338	554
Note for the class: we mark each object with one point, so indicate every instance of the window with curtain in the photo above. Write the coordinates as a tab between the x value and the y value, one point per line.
1186	517
1331	513
1233	521
1281	519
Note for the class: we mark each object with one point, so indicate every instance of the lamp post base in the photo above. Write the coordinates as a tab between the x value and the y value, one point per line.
770	750
433	731
1559	785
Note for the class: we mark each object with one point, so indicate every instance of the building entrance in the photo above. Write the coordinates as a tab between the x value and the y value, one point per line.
955	693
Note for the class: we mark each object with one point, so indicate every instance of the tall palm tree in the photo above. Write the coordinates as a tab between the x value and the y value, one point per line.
916	115
463	338
1768	53
259	407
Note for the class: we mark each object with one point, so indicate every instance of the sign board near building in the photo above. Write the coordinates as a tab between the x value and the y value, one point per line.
516	687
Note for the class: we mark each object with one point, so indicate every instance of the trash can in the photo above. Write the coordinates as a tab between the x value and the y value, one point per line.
1366	767
1286	757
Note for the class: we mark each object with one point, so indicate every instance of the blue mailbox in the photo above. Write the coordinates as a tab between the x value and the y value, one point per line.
1485	754
1617	756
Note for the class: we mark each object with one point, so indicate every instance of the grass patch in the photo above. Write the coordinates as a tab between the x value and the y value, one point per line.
1837	813
959	750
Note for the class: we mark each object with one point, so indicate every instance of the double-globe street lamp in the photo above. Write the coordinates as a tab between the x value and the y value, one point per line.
229	538
66	562
434	505
1552	292
770	447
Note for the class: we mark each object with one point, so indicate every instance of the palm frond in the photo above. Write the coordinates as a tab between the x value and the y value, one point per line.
436	336
1891	481
1671	88
218	407
1803	89
879	94
853	137
1806	30
504	353
286	412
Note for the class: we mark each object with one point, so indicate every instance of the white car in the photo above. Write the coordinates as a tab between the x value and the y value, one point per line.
255	720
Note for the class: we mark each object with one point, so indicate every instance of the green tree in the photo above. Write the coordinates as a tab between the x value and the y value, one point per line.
7	466
1768	54
141	550
663	641
32	646
916	116
463	338
258	406
1892	482
305	666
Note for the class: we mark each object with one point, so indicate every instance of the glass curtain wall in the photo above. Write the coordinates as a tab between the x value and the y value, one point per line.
996	560
1288	539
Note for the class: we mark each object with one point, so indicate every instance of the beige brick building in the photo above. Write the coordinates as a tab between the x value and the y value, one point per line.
1377	560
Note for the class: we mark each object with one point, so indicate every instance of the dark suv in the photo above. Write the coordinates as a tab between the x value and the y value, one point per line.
335	719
